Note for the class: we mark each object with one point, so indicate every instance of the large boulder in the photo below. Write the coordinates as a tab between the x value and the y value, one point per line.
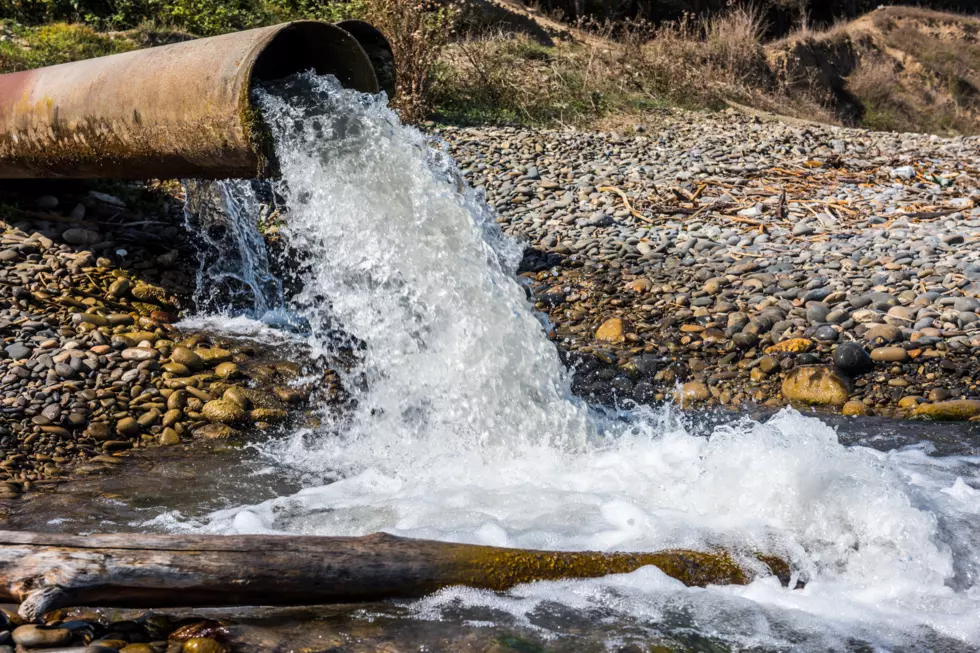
948	411
816	384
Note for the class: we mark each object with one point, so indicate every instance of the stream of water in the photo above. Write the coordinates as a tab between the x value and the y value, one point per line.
464	428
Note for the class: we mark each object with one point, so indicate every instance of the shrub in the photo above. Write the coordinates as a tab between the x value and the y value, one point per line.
512	78
892	104
418	31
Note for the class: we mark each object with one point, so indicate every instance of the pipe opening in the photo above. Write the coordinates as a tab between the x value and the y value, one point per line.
298	47
309	44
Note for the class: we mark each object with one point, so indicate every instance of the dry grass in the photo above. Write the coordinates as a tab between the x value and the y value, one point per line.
897	68
513	78
892	103
916	70
625	68
701	63
418	31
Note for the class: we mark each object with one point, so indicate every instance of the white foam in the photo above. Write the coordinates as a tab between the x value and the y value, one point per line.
878	564
268	329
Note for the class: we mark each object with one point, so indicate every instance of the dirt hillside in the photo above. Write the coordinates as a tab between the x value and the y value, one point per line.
897	68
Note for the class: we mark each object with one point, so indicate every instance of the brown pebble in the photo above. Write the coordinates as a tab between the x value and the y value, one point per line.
169	437
855	409
889	355
127	426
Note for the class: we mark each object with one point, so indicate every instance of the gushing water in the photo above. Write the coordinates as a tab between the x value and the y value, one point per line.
463	428
233	264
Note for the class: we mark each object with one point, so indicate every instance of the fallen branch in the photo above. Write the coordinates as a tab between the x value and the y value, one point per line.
626	201
44	572
930	215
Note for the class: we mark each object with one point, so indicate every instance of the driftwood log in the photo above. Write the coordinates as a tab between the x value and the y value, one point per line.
43	572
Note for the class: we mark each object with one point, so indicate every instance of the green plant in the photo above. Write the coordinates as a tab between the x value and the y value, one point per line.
202	17
48	45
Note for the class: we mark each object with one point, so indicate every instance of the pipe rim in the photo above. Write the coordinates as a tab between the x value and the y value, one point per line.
378	50
297	47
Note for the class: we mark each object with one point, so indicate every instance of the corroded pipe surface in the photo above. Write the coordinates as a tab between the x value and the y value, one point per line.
178	110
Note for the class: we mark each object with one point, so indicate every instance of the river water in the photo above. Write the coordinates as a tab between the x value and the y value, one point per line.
464	428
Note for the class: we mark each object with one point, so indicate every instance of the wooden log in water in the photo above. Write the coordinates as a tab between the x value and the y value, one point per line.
47	571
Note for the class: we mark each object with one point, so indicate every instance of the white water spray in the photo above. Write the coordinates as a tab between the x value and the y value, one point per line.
233	262
465	428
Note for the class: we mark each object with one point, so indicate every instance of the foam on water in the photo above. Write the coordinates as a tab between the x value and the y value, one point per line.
465	428
274	327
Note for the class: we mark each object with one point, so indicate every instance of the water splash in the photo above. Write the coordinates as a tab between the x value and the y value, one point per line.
398	252
465	429
233	272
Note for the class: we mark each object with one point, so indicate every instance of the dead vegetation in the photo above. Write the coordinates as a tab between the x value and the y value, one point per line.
897	69
900	69
418	31
622	68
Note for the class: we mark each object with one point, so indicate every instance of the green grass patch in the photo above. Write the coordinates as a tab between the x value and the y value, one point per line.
33	47
200	17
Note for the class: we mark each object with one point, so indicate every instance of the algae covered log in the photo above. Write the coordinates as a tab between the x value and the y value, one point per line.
43	572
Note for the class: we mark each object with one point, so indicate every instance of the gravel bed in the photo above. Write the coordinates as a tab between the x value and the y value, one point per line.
90	363
723	258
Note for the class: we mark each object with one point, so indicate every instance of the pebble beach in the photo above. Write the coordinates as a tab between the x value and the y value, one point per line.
727	259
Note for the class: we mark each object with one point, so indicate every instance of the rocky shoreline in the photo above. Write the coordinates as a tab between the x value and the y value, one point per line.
707	259
729	260
91	364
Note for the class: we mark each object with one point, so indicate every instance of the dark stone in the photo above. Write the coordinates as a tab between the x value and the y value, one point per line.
643	392
826	333
807	359
18	351
817	295
851	359
646	364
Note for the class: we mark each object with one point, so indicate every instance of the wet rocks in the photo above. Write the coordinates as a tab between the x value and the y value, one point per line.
213	356
816	384
34	636
215	431
127	427
612	331
91	366
855	408
223	411
227	370
203	645
949	411
692	393
188	358
852	359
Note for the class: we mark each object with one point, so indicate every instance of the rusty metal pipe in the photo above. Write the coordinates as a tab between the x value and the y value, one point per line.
180	110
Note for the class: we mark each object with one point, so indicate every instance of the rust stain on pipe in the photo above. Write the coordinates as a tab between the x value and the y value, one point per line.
178	110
